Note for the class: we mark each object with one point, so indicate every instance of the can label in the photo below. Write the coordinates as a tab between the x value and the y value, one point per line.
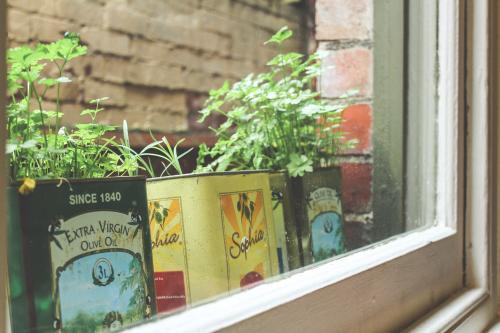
169	253
246	238
325	215
97	258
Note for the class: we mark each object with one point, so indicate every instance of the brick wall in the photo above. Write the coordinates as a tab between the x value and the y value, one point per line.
344	30
156	59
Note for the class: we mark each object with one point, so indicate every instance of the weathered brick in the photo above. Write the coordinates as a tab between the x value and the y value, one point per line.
162	30
150	8
113	116
156	97
148	50
71	113
356	187
357	124
19	25
270	22
144	118
241	68
122	18
198	81
188	37
155	75
47	7
341	19
106	41
49	29
214	43
244	42
15	43
83	11
201	82
222	6
27	5
347	70
166	121
96	89
213	21
68	92
163	8
148	54
185	58
215	64
102	67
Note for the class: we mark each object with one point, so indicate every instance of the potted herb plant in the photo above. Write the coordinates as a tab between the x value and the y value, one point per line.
77	239
276	120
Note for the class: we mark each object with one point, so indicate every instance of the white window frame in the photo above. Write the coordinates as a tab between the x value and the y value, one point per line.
413	279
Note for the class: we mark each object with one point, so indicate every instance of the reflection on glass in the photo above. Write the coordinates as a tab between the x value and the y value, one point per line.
165	153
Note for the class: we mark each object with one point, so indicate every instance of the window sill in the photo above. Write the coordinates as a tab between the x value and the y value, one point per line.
408	254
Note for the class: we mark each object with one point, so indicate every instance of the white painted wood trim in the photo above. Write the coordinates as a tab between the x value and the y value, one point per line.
495	328
478	234
385	287
365	265
449	315
474	310
450	112
479	319
421	165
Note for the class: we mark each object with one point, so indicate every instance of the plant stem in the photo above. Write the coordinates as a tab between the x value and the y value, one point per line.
58	101
28	114
41	116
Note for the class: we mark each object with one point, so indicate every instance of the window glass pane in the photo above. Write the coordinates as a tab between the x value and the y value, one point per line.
164	153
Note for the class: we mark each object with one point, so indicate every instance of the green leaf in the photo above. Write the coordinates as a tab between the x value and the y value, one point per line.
291	59
28	144
49	82
279	37
299	165
88	112
98	100
10	148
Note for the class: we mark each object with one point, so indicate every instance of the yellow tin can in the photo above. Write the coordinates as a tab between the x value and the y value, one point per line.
211	233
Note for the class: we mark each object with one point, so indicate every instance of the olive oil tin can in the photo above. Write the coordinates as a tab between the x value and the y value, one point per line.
87	255
319	214
211	233
284	222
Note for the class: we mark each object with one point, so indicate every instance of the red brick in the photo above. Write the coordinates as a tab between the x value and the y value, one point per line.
347	70
357	125
356	187
344	19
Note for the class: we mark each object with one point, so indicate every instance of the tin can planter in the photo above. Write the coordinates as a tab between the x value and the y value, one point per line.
285	223
211	233
319	214
86	253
